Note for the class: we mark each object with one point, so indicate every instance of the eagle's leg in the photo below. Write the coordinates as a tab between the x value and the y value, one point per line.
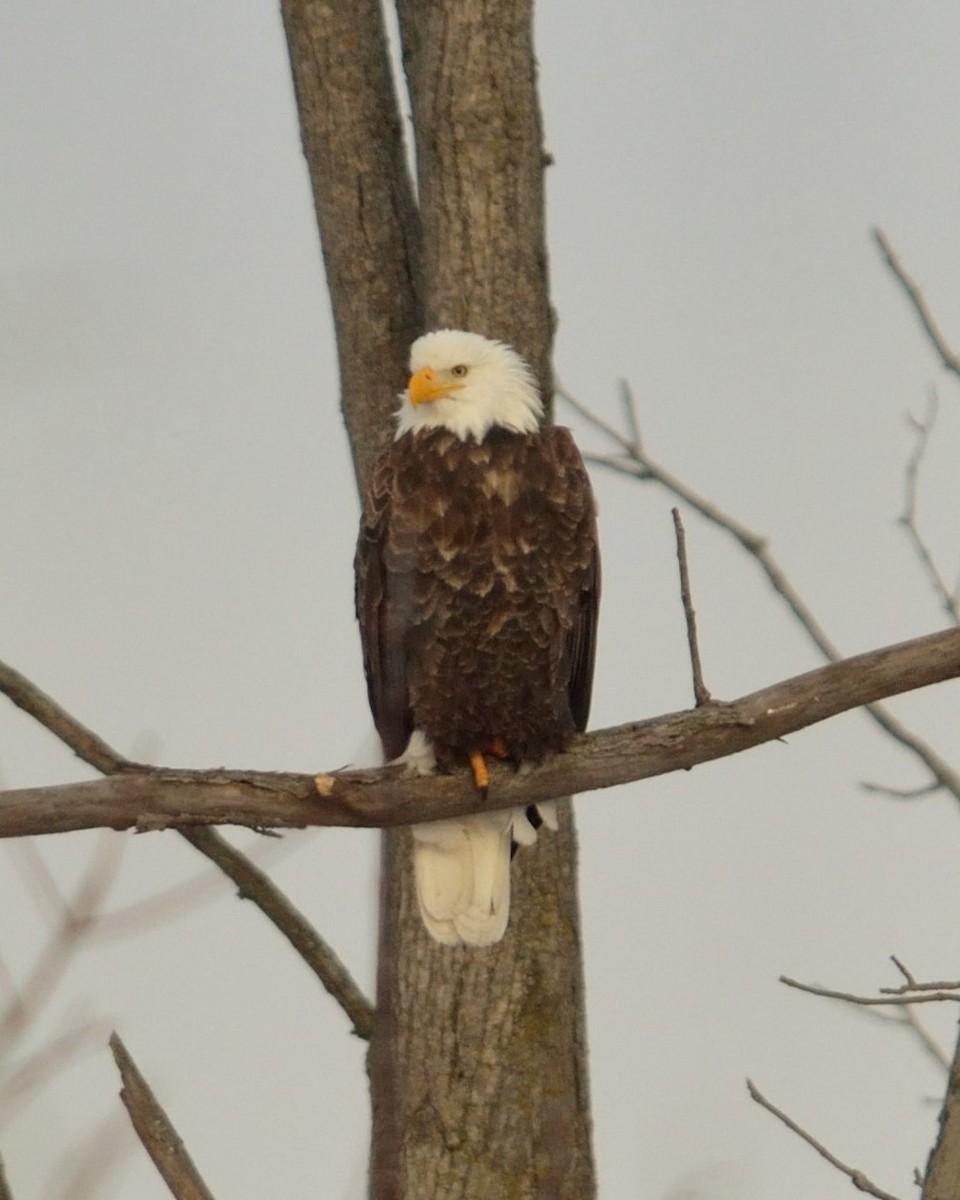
481	776
478	764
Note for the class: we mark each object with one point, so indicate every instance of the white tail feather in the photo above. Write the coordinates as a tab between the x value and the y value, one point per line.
462	865
462	870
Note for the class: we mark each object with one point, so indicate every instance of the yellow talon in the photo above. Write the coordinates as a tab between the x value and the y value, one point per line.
498	748
481	776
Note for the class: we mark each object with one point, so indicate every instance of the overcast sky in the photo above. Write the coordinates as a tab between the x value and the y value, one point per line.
177	520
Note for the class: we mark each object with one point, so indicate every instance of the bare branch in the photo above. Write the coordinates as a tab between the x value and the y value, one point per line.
892	998
907	1016
629	446
254	885
948	357
923	429
916	793
700	693
857	1178
252	882
158	798
638	464
901	1011
912	984
904	971
84	743
154	1130
629	406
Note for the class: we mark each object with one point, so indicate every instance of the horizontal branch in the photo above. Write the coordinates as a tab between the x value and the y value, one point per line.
890	1001
157	798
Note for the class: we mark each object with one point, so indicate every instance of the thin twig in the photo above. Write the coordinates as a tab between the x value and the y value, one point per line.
82	741
630	416
902	1014
916	991
948	357
155	1131
912	984
700	693
889	999
857	1178
905	1017
904	971
923	429
630	447
252	882
916	793
908	1016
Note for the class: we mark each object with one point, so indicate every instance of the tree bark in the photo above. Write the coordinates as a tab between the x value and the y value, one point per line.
471	75
352	139
477	1062
479	1065
942	1180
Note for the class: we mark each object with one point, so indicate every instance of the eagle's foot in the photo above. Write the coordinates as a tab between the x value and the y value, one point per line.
481	774
498	748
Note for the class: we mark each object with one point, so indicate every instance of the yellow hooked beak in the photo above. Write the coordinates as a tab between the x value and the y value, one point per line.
426	385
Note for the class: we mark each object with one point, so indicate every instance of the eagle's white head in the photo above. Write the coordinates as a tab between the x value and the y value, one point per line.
467	384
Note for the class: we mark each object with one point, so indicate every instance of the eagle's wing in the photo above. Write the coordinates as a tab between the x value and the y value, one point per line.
383	595
582	569
582	644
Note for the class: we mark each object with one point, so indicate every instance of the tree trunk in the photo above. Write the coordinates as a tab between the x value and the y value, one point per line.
942	1181
369	226
478	1057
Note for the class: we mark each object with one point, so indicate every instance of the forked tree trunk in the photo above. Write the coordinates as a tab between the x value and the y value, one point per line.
478	1060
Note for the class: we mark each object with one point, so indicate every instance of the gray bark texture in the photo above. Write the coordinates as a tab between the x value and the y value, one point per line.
478	1057
942	1180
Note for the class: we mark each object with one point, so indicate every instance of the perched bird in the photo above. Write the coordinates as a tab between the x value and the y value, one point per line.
478	580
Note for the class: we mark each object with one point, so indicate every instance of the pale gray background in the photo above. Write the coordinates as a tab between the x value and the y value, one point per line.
176	526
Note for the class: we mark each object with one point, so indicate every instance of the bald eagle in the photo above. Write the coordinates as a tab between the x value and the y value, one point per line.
478	580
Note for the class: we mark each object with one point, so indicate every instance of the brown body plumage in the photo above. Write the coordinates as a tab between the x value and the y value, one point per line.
477	585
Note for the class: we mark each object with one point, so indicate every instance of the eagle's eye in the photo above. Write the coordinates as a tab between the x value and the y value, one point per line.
459	371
